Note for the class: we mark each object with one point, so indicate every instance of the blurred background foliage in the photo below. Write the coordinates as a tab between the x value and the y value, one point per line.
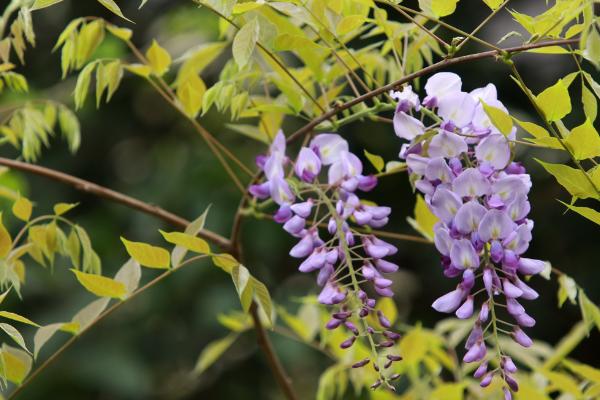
138	145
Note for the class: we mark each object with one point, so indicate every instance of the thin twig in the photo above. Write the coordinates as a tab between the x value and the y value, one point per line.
480	26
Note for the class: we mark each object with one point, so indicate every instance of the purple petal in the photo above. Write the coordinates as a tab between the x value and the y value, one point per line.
463	254
407	127
445	204
449	302
495	225
495	150
471	183
468	217
447	144
330	146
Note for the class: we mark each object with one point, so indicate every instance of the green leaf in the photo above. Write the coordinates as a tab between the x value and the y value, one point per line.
375	160
590	104
101	286
22	208
5	239
190	242
190	94
493	4
499	118
14	334
122	33
586	212
590	313
424	219
245	42
584	371
213	351
63	208
225	261
554	101
584	141
563	382
263	298
243	285
567	290
114	8
448	391
42	336
70	128
349	24
17	317
158	58
147	255
39	4
16	362
442	8
574	180
83	83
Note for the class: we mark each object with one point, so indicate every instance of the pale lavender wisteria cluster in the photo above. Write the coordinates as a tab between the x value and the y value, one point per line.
463	166
348	258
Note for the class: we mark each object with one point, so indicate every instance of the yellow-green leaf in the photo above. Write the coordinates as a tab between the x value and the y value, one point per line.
139	69
192	229
39	4
213	351
555	101
190	242
121	33
263	298
63	208
17	317
448	391
225	261
424	219
190	94
493	4
244	42
14	334
567	290
585	371
442	8
590	104
86	316
499	118
586	212
243	285
22	208
129	275
574	180
101	285
114	8
16	362
376	161
147	255
584	141
5	239
159	59
42	336
349	24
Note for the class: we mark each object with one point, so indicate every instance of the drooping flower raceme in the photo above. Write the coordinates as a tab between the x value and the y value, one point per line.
463	166
347	259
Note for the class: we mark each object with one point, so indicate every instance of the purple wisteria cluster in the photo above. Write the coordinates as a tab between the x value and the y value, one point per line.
463	166
349	257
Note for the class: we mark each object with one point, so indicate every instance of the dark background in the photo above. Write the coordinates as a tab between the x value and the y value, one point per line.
138	145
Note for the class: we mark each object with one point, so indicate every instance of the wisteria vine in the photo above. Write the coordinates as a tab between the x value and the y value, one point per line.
463	165
348	258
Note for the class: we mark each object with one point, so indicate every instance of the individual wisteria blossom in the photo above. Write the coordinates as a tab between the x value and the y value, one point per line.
350	266
462	164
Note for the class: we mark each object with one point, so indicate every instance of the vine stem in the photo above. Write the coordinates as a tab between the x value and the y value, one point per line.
100	191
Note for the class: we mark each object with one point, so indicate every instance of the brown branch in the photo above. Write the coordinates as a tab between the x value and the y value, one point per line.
117	197
433	67
263	340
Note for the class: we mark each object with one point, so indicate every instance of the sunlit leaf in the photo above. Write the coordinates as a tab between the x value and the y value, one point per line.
129	275
499	118
14	334
114	8
22	208
86	316
349	24
245	42
63	208
17	317
5	239
567	290
263	298
39	4
42	336
555	101
586	212
121	33
375	160
159	59
574	180
213	351
101	286
17	364
147	255
243	285
584	141
190	242
442	8
424	219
